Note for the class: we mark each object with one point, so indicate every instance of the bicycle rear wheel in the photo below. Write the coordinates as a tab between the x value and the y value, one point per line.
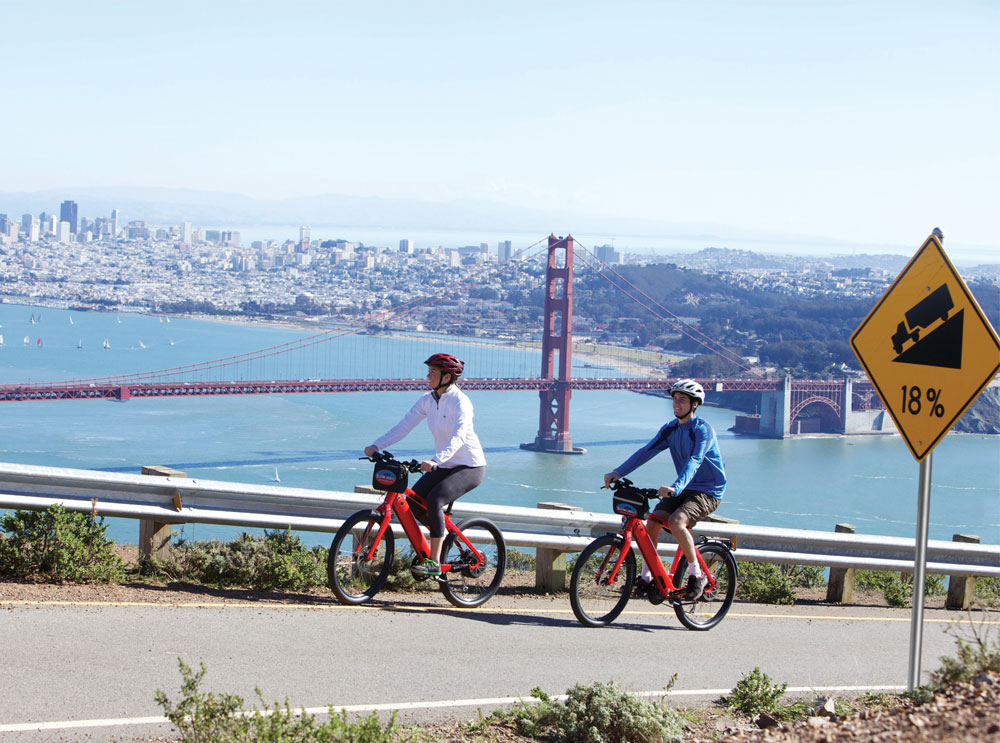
596	600
709	610
465	585
352	576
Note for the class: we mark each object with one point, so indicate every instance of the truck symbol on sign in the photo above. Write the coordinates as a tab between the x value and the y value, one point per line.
935	306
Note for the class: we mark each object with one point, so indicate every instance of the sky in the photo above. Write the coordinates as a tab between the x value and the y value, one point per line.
865	121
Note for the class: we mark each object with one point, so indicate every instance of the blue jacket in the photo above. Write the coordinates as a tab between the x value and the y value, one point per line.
695	452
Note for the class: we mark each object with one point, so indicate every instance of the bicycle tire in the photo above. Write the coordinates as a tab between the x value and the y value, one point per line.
710	609
352	579
596	603
466	587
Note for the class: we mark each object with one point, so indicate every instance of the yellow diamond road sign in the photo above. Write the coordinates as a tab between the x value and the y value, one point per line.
928	348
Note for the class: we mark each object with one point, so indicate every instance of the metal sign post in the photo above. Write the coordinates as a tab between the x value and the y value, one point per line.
929	350
919	573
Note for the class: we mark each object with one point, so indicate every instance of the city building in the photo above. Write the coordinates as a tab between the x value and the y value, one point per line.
68	213
406	246
503	251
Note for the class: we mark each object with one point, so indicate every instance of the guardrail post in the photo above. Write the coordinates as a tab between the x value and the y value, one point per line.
961	588
154	536
840	587
550	564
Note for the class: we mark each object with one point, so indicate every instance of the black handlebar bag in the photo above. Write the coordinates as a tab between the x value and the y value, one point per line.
630	502
390	477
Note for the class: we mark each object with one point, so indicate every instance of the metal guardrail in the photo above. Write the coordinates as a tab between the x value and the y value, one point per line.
180	500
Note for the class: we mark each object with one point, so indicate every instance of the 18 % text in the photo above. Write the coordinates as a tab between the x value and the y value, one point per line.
913	398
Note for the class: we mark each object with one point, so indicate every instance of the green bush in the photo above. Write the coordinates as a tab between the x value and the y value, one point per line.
765	583
755	693
974	658
988	591
58	545
210	718
276	561
596	713
518	560
897	588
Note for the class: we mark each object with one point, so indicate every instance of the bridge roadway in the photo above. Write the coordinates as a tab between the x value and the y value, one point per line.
68	663
124	390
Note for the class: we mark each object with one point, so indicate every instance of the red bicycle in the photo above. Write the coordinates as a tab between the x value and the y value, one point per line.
362	551
605	572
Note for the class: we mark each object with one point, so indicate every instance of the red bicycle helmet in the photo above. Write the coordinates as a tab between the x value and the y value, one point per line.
446	362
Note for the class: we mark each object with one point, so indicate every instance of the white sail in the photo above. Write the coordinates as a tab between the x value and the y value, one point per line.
107	344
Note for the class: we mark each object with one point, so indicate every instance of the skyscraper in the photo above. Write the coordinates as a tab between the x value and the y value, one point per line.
114	223
67	213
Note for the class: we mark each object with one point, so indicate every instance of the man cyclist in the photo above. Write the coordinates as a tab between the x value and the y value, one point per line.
700	483
458	464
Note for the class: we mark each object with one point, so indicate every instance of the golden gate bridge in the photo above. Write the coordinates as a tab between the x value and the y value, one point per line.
262	371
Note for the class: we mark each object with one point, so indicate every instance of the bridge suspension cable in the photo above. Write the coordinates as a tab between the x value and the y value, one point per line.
657	309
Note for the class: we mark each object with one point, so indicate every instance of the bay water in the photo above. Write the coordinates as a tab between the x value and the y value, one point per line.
314	440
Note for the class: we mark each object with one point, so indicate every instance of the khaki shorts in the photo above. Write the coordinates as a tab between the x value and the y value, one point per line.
692	503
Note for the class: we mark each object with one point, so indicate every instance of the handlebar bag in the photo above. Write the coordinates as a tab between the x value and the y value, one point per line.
390	477
630	502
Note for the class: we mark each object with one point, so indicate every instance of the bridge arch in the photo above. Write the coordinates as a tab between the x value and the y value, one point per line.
829	414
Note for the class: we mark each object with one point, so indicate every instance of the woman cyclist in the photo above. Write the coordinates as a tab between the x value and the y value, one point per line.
700	483
458	464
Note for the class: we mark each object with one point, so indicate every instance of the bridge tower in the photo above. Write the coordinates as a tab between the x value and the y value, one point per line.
557	338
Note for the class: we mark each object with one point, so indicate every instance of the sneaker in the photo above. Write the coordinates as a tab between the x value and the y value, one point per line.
641	588
426	567
695	587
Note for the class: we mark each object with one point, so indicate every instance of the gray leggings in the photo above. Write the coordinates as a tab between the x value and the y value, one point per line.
442	486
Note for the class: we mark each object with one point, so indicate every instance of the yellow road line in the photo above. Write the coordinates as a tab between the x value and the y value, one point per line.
488	609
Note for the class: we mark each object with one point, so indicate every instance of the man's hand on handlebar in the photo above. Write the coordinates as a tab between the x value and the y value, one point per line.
610	477
666	491
371	451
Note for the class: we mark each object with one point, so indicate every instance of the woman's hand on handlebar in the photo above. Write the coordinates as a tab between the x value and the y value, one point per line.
371	451
428	466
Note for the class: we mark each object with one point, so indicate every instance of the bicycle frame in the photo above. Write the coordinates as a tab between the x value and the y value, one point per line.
398	503
634	532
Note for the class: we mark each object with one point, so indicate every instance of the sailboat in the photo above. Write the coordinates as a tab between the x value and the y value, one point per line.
79	343
171	341
1	340
107	344
276	478
70	319
32	318
27	341
38	343
141	344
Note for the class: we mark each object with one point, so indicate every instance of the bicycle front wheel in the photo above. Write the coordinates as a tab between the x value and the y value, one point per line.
353	575
596	599
709	610
469	584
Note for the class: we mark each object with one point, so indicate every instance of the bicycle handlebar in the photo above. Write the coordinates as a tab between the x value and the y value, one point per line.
623	483
381	457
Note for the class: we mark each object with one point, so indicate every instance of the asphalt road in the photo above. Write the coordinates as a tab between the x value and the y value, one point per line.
61	665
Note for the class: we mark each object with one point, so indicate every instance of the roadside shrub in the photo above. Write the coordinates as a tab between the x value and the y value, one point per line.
765	583
974	658
755	693
518	560
58	545
595	713
897	588
988	591
276	561
205	717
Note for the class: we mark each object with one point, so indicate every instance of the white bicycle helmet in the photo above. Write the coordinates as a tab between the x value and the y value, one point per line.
690	388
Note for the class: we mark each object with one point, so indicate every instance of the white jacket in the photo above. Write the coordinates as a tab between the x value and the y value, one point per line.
450	421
